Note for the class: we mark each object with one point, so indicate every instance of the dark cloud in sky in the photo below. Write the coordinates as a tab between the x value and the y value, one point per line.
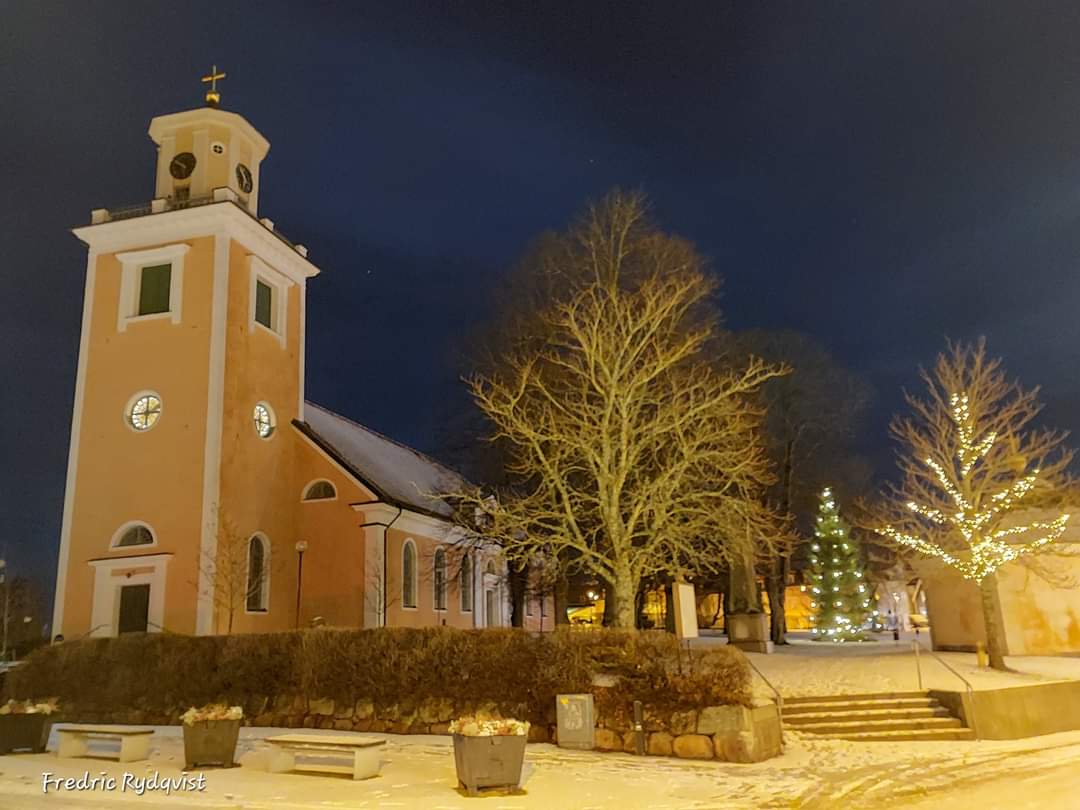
878	175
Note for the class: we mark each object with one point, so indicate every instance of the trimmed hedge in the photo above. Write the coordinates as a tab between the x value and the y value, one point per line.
512	671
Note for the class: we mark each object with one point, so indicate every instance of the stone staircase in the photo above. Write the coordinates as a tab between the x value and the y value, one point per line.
884	716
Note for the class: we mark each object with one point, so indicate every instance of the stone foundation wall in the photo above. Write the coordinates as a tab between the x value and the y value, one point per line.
730	733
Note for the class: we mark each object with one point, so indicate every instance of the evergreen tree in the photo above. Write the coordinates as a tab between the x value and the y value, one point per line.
841	599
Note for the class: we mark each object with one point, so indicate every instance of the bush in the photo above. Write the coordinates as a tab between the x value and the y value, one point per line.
517	672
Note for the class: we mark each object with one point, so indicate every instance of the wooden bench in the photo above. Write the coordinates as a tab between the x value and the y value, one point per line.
134	742
365	752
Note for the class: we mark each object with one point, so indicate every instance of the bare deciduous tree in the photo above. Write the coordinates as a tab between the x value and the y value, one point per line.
638	457
226	575
971	462
811	418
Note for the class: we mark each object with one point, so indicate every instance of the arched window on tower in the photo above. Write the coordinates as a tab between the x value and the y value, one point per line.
257	574
440	579
408	574
134	534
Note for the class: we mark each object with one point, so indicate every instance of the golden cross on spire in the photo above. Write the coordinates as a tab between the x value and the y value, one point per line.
213	97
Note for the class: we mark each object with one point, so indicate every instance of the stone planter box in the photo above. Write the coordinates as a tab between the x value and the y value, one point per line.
488	762
211	742
24	732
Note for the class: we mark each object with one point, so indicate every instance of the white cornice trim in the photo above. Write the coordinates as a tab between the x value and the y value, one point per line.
410	522
161	557
199	221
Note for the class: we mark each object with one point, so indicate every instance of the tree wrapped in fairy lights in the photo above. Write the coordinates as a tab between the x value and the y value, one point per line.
970	464
840	596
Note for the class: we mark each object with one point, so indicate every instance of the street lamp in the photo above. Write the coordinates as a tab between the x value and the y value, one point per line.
301	547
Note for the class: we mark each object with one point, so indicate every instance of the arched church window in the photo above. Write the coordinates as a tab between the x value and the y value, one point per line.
257	574
408	574
320	491
135	534
466	584
440	579
264	420
143	411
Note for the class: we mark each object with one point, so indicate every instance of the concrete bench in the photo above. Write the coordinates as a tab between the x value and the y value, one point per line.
365	753
134	742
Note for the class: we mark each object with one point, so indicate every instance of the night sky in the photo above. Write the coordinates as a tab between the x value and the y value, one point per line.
878	175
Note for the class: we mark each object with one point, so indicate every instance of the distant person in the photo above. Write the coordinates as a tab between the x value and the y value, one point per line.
893	624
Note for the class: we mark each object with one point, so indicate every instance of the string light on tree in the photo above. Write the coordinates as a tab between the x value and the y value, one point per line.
836	567
986	550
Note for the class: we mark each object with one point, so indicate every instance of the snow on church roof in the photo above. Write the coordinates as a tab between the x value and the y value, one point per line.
396	473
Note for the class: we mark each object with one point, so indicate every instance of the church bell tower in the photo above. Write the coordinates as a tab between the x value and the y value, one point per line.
191	368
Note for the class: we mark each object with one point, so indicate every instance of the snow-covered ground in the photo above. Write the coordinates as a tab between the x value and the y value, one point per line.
419	773
807	667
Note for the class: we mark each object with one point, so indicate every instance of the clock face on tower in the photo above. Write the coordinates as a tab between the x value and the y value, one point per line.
182	166
243	177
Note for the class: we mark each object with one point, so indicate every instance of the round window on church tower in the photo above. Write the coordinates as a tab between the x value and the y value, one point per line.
143	411
264	420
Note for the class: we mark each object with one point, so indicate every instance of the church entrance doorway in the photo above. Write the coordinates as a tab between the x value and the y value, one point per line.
134	609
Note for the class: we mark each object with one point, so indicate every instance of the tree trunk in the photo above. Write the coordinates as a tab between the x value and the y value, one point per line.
776	581
622	609
609	605
995	633
774	586
562	598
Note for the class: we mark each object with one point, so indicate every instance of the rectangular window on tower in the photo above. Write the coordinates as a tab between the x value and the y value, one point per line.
264	304
155	282
269	299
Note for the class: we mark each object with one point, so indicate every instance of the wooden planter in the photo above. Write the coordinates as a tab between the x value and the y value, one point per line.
489	762
211	742
24	732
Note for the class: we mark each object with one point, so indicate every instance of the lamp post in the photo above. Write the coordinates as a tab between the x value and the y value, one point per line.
301	547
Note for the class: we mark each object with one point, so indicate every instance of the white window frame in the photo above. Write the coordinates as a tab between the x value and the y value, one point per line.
258	270
114	544
409	542
131	265
307	488
265	541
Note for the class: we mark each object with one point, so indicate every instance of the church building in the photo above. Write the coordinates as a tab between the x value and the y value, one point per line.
204	493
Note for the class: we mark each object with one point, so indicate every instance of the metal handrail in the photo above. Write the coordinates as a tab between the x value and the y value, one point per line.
967	684
775	691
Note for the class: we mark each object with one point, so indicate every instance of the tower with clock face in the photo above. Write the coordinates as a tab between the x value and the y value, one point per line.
190	372
201	150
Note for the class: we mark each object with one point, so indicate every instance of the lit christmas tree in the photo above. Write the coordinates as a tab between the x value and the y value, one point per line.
841	599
